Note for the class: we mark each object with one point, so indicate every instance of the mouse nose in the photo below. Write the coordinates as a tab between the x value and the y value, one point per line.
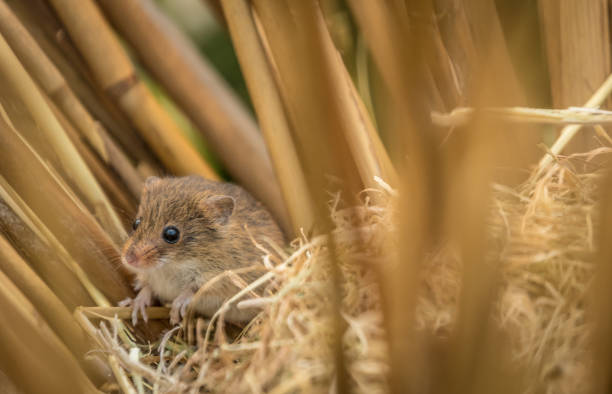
131	258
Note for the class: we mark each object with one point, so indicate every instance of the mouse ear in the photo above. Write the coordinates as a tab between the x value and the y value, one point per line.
151	181
220	207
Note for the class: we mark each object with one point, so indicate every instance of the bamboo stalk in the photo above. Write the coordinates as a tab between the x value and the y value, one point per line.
50	307
203	95
55	86
70	222
115	74
32	346
270	112
69	158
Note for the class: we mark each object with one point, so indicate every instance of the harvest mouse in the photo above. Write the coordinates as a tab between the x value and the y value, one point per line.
189	230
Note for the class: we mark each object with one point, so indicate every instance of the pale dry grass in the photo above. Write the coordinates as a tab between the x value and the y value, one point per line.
543	232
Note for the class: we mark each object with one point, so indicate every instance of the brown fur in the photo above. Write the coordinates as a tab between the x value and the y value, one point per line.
210	243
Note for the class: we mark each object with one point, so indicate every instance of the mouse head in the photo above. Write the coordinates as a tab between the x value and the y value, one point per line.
178	220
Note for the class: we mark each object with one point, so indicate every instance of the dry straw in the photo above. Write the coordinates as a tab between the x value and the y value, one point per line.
542	233
415	265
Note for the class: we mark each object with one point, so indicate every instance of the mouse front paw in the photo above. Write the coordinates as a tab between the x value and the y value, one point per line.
179	306
143	300
126	302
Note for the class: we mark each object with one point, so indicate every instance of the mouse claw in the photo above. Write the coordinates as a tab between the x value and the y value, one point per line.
140	303
179	307
134	316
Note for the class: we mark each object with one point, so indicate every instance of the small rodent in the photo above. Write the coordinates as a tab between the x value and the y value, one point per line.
189	230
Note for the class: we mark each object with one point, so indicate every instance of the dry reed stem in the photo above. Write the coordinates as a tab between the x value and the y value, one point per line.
316	131
116	75
388	170
43	24
70	159
569	132
218	113
25	335
571	116
472	34
7	386
120	331
457	38
540	227
472	364
383	26
442	69
270	112
478	355
599	306
74	228
358	129
25	237
122	379
117	193
34	224
55	86
492	51
123	312
578	53
378	31
51	308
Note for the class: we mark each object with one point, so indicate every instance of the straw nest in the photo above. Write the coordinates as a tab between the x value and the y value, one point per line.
543	237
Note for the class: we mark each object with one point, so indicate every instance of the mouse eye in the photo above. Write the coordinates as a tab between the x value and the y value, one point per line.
171	234
136	224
